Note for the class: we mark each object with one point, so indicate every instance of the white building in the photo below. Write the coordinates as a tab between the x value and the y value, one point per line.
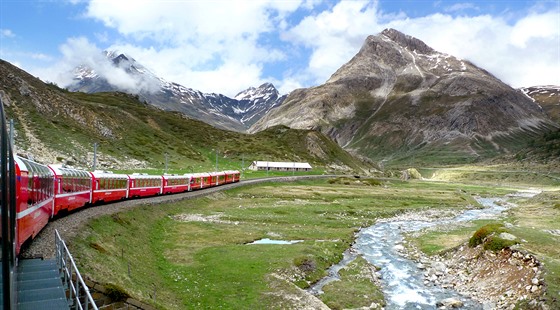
279	166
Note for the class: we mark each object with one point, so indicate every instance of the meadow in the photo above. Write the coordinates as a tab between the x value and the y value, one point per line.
195	254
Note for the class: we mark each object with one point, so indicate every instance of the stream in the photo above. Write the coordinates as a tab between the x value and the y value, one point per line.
402	279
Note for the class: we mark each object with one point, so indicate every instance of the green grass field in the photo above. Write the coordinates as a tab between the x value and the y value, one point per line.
193	264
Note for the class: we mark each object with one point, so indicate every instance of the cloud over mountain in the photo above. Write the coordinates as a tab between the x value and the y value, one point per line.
227	46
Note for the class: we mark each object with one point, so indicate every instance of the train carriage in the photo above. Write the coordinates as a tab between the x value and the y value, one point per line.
200	180
34	197
232	176
176	183
144	185
72	188
108	186
218	178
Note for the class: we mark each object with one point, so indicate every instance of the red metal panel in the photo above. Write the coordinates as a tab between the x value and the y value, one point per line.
176	184
100	196
34	199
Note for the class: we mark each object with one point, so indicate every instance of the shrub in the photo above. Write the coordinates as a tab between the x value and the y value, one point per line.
115	292
305	264
118	219
495	243
414	174
96	246
361	181
372	182
483	232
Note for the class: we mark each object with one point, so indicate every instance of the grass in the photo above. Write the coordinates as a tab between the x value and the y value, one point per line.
192	264
355	289
497	175
533	221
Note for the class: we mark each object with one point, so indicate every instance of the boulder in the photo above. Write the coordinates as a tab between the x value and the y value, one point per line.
439	267
507	236
450	303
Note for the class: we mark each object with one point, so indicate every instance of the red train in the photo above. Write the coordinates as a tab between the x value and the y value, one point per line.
43	192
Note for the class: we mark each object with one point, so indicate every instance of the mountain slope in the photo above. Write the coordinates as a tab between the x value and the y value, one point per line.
118	72
548	97
399	100
53	125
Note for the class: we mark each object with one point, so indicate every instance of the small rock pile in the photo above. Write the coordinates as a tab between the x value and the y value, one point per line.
498	280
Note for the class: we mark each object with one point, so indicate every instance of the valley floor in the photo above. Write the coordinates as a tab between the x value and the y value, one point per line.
194	253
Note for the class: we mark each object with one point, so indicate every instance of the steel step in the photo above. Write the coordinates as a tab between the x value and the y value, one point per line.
39	285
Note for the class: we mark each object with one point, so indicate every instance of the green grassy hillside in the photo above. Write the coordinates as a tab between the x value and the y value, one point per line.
54	125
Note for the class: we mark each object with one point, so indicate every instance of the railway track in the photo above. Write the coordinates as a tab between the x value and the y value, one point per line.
68	226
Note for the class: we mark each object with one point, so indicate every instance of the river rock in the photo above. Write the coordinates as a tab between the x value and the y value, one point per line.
507	236
439	267
450	303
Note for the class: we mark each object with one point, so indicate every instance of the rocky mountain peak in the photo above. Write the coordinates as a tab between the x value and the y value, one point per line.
407	41
119	59
265	91
397	94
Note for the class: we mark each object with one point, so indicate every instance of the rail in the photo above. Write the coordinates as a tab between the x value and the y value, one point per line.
77	292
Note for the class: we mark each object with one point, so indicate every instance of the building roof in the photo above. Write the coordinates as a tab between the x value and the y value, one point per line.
277	164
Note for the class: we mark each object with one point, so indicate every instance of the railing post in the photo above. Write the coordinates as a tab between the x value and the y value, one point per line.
69	269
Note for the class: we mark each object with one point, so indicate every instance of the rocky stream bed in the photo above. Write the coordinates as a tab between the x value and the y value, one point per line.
464	277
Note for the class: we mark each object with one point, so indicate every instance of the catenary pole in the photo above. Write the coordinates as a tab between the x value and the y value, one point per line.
94	155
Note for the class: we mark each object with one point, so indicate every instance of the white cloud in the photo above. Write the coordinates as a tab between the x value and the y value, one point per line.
195	42
536	26
334	36
522	53
41	56
7	33
225	46
79	51
461	7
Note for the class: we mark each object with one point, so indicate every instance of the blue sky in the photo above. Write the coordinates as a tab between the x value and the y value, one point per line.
226	46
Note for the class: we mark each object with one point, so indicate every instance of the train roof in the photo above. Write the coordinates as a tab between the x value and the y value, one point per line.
108	175
144	176
60	170
201	174
27	165
178	176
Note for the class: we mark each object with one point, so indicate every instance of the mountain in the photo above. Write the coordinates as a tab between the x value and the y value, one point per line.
548	97
253	103
118	72
54	125
399	100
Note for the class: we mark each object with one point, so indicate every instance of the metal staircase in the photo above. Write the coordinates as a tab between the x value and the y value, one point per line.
39	285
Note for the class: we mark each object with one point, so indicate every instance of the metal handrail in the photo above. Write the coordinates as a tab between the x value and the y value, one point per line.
78	293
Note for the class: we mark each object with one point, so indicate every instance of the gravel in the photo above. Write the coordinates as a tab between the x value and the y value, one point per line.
44	246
